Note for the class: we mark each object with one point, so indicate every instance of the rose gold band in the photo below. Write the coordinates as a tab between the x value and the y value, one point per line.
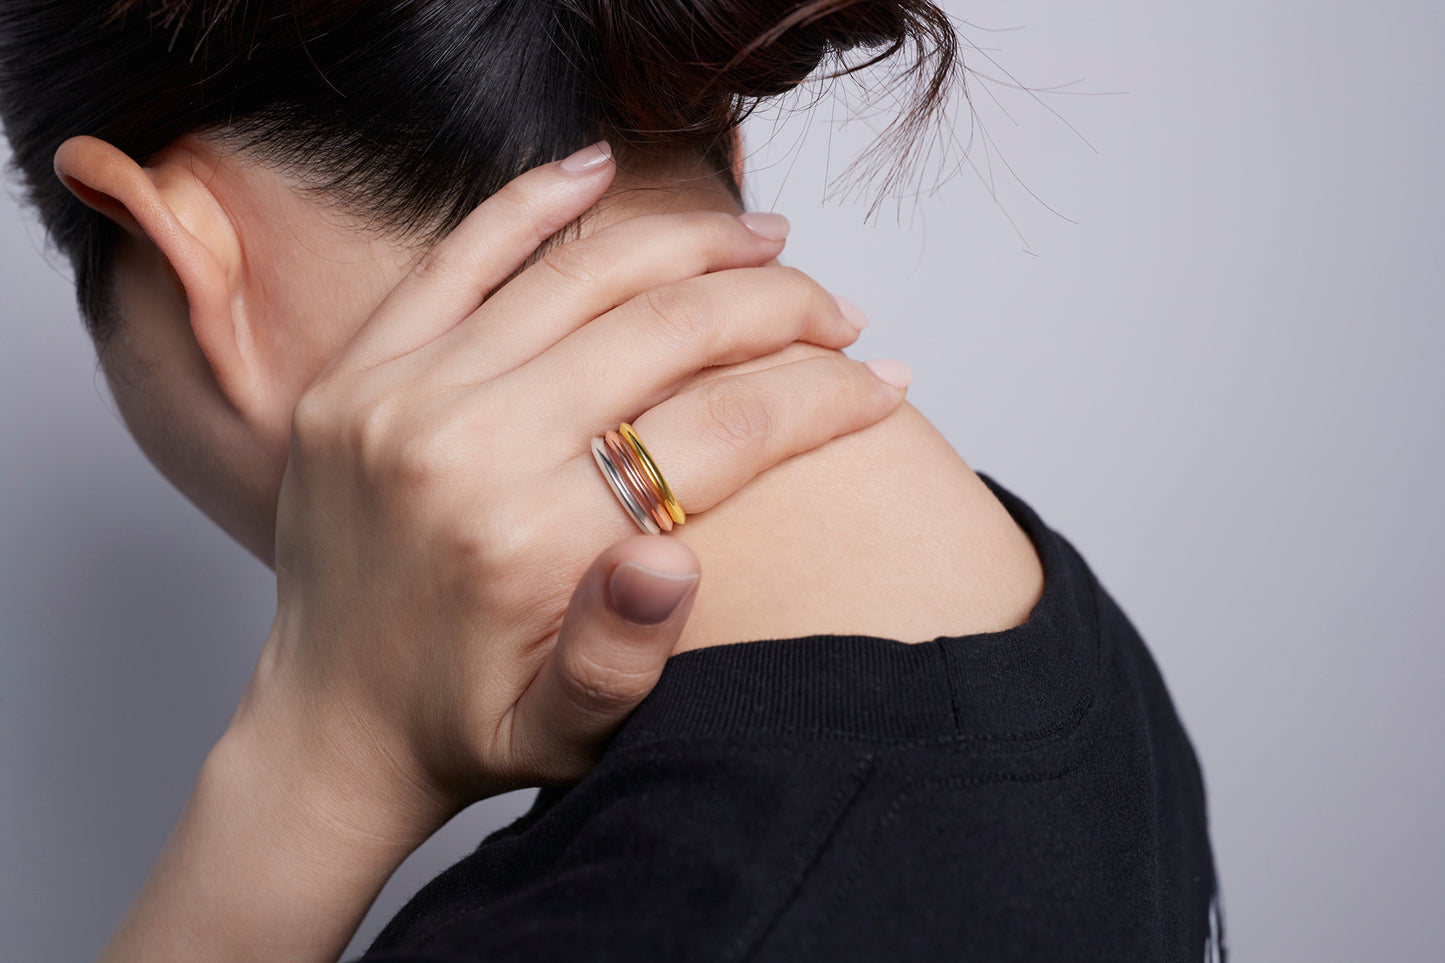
636	480
623	454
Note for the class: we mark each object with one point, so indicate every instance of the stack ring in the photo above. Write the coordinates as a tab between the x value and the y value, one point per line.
637	481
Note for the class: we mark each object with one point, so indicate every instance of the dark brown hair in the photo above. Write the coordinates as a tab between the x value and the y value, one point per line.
412	112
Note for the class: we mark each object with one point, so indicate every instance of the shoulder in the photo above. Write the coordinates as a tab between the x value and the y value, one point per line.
668	850
884	532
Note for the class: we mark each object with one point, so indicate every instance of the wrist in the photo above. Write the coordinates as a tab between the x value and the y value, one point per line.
312	798
281	849
348	780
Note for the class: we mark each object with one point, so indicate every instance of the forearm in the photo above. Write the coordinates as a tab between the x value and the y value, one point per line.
278	855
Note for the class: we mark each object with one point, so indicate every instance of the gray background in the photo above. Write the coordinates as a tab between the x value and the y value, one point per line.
1215	369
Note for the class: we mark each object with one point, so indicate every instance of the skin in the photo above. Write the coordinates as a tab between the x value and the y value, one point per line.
285	258
258	323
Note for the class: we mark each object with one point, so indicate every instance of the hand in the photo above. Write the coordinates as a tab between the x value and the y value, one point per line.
441	502
440	506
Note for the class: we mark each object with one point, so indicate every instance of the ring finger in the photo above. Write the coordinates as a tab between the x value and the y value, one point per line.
712	440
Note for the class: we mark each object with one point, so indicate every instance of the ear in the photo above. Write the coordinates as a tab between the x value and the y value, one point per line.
167	205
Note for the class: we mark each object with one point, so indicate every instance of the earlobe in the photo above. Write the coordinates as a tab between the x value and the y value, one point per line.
168	207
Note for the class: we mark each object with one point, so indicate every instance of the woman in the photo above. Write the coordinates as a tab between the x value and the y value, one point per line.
393	401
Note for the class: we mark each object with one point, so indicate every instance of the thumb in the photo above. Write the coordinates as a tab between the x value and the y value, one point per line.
622	623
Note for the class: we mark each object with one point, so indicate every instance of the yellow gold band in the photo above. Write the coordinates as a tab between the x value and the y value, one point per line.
669	500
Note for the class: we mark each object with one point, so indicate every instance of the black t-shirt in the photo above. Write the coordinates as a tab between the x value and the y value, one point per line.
1018	795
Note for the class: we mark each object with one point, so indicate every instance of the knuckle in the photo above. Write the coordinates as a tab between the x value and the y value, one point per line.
793	278
712	229
419	461
679	316
675	227
582	262
513	197
602	688
430	450
521	204
312	418
368	429
848	396
471	556
507	536
682	229
852	386
717	238
842	376
799	288
435	265
485	553
738	414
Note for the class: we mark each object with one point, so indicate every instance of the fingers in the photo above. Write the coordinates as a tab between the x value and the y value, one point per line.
458	272
714	439
626	615
584	279
636	355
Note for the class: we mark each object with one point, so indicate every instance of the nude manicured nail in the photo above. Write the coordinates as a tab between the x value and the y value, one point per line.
588	159
850	312
645	595
896	373
772	227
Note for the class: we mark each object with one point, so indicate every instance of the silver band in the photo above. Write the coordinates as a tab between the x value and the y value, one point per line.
621	489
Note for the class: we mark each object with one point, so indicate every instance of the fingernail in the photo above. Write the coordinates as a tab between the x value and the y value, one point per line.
896	373
589	158
851	314
771	227
647	596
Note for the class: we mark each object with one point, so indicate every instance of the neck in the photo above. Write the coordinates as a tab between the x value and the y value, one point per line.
884	532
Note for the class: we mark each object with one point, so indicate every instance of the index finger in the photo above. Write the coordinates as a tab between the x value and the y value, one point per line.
453	278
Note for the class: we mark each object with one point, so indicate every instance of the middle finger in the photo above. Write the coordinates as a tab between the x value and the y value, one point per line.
581	280
636	355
